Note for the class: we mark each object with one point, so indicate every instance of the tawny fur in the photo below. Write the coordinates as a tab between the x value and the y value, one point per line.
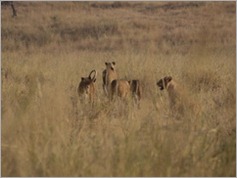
178	96
108	75
86	89
120	88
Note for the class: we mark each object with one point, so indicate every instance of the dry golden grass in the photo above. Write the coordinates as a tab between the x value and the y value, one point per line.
49	46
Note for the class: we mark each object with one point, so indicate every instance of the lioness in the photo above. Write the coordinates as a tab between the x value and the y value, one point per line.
174	93
178	97
86	88
120	88
108	75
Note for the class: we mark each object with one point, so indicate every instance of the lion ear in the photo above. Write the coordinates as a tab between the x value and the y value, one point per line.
113	63
82	79
106	63
169	78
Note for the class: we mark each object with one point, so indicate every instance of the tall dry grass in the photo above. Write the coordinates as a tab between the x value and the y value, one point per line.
46	131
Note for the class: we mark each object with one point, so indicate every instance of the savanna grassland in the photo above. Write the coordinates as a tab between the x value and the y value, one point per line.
49	46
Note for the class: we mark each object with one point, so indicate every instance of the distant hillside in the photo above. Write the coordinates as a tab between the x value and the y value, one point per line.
158	26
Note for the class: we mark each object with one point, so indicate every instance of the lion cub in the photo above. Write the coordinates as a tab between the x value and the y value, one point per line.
86	88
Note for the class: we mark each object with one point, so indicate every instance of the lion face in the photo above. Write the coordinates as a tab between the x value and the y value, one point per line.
162	83
110	65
